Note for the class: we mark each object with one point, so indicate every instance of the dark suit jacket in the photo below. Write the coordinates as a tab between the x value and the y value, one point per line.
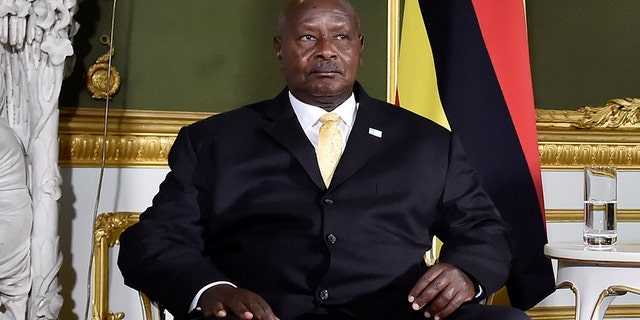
245	202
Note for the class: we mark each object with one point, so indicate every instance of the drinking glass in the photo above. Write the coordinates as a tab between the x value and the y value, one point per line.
600	202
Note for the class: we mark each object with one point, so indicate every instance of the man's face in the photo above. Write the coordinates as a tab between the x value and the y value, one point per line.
320	49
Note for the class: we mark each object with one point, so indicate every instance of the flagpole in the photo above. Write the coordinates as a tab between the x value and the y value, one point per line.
392	49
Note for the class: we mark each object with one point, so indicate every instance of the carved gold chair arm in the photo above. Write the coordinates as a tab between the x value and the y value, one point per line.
106	234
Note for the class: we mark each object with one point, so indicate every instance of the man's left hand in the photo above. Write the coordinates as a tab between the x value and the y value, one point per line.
443	288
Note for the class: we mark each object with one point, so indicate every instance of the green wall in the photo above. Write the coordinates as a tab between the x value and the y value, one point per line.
584	52
204	55
215	55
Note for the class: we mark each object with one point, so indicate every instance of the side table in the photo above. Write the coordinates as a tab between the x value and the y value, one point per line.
596	277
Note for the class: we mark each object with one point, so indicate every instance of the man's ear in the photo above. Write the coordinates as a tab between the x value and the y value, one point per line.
277	45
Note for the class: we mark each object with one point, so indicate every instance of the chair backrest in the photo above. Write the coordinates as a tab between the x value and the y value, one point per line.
106	233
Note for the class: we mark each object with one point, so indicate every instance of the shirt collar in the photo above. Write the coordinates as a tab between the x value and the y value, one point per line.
308	115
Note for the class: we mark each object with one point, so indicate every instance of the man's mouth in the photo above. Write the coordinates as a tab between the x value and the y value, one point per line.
325	72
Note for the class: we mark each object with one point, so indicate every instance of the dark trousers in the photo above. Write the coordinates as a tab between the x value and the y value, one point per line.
466	312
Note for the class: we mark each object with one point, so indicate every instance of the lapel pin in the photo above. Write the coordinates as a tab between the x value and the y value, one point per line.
375	132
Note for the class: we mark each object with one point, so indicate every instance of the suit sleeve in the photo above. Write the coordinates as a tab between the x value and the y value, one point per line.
474	236
163	254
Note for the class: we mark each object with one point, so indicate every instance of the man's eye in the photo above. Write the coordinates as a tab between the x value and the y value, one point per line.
342	37
307	37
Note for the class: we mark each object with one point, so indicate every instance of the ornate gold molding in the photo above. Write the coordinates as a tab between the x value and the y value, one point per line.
567	139
135	138
616	113
607	135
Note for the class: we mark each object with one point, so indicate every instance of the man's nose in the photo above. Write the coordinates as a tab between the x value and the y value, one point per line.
326	49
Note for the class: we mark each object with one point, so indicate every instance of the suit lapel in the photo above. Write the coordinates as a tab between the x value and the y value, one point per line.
364	140
286	129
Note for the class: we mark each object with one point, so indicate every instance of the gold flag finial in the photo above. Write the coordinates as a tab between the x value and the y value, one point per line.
100	82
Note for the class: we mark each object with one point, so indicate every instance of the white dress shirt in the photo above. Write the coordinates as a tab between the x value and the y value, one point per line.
309	118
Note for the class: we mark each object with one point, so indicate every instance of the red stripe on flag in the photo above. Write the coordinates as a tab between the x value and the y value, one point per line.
504	30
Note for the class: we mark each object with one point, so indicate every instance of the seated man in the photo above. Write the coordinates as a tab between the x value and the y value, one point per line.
253	223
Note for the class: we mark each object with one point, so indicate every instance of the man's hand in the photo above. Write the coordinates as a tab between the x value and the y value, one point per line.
443	288
222	299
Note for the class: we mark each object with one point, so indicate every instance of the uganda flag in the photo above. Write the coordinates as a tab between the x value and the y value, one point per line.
465	64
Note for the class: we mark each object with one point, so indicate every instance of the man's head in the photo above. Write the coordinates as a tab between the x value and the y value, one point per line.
319	47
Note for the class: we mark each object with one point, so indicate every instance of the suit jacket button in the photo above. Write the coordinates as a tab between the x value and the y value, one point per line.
323	294
327	201
331	238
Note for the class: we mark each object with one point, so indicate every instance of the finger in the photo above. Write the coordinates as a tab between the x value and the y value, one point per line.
216	310
447	311
430	292
242	312
449	299
442	303
451	306
424	281
254	310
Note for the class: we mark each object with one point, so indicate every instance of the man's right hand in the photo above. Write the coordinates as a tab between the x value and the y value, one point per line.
221	300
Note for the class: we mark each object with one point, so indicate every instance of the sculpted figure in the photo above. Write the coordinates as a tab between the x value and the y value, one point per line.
15	227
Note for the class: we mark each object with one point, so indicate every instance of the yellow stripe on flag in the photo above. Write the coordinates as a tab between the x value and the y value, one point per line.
417	83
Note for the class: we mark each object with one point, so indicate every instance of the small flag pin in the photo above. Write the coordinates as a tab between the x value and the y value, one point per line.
375	132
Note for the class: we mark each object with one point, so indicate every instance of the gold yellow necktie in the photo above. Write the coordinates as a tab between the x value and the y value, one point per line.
329	146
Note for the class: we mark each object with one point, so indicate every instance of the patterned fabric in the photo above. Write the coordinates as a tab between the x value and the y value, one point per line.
329	146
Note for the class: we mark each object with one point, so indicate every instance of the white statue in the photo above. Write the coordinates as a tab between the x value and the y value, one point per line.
36	40
15	227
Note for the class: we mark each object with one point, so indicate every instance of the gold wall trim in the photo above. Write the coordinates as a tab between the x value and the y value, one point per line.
567	139
606	135
134	138
576	215
569	312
